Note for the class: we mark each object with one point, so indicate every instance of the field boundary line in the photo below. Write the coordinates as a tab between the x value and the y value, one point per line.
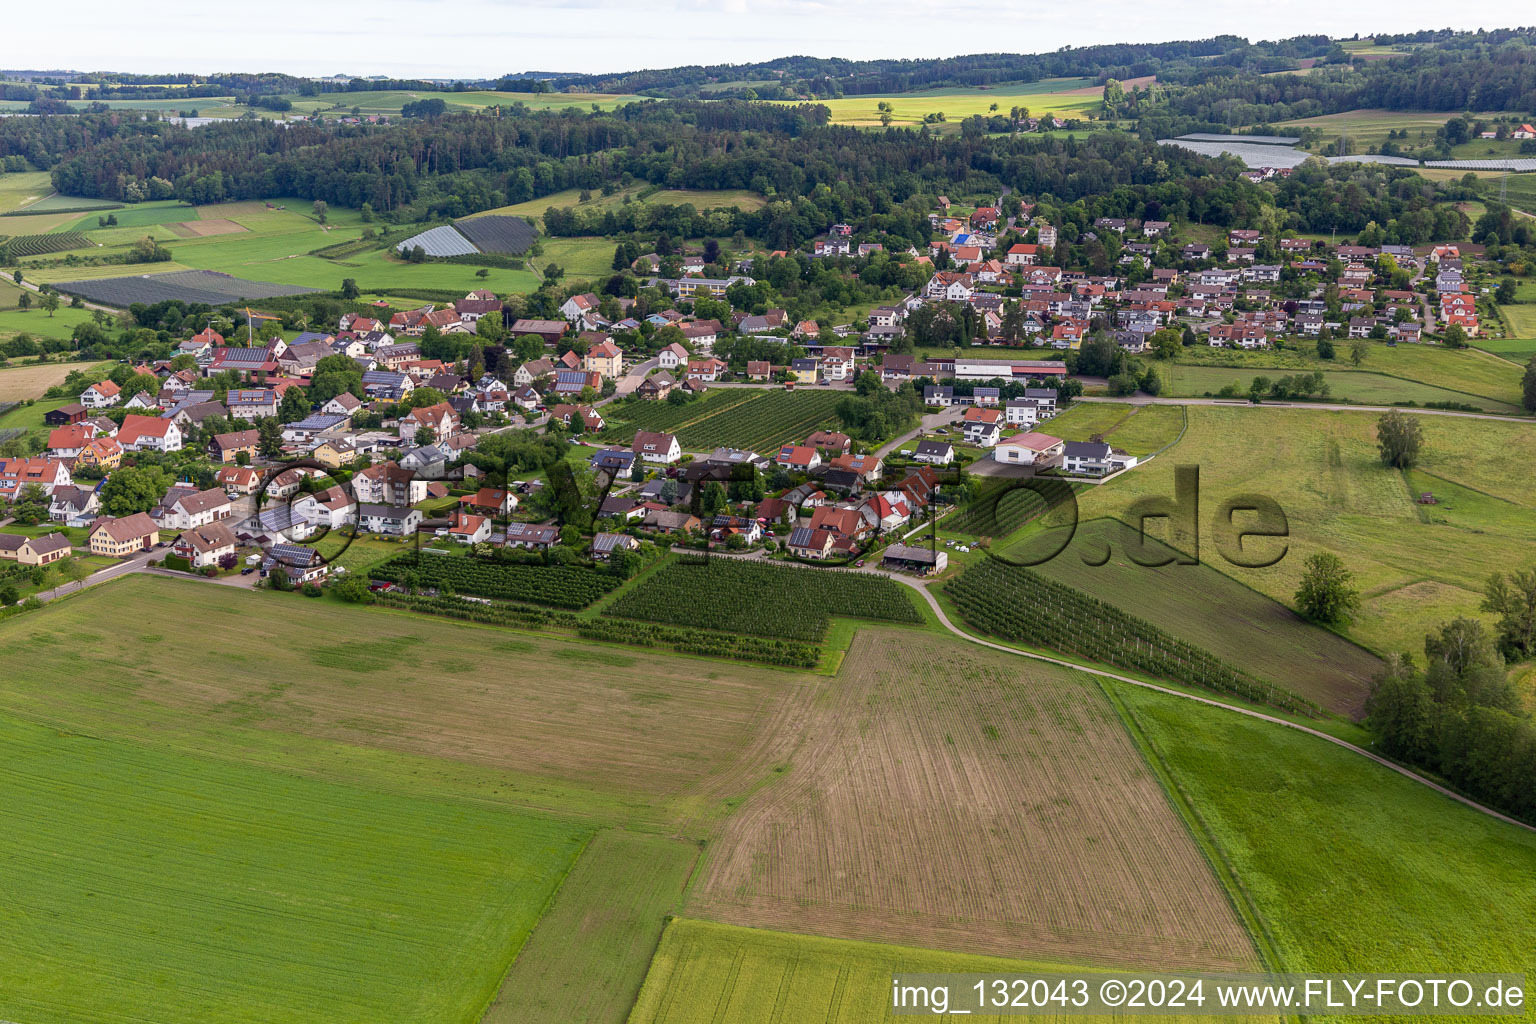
1384	762
1204	836
543	913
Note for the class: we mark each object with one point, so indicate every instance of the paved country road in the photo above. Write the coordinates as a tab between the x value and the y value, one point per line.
111	572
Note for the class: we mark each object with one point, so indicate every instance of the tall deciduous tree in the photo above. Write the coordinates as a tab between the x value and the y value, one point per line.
1399	439
1327	592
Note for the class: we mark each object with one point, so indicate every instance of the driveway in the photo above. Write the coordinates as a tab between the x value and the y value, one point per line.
931	421
636	374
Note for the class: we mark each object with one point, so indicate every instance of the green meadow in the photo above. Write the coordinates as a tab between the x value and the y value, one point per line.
278	244
1350	867
1412	569
145	884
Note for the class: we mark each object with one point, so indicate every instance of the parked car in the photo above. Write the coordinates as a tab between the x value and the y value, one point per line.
247	571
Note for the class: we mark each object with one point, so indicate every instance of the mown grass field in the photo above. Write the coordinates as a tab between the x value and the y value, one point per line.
1323	469
1368	128
36	321
707	973
588	956
1213	611
390	101
1140	430
581	258
274	245
1364	388
481	712
1468	371
1516	350
18	190
1522	318
1063	97
702	199
1350	866
146	884
30	417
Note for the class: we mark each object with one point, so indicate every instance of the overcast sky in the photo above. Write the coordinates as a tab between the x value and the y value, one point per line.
484	38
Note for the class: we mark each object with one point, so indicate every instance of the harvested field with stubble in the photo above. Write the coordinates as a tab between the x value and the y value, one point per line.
22	382
954	798
206	228
581	728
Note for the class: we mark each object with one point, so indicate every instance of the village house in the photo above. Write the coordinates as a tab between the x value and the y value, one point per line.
186	507
656	386
17	473
605	358
73	506
938	453
804	542
469	529
982	427
440	419
706	369
238	480
491	501
1094	458
118	538
651	446
1029	449
388	520
35	550
331	508
798	458
671	357
299	563
530	535
100	396
205	545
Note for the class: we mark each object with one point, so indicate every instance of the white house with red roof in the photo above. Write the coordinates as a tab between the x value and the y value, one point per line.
100	396
149	433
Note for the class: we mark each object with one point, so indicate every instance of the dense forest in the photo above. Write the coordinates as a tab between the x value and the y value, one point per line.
459	164
812	173
1493	75
790	77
